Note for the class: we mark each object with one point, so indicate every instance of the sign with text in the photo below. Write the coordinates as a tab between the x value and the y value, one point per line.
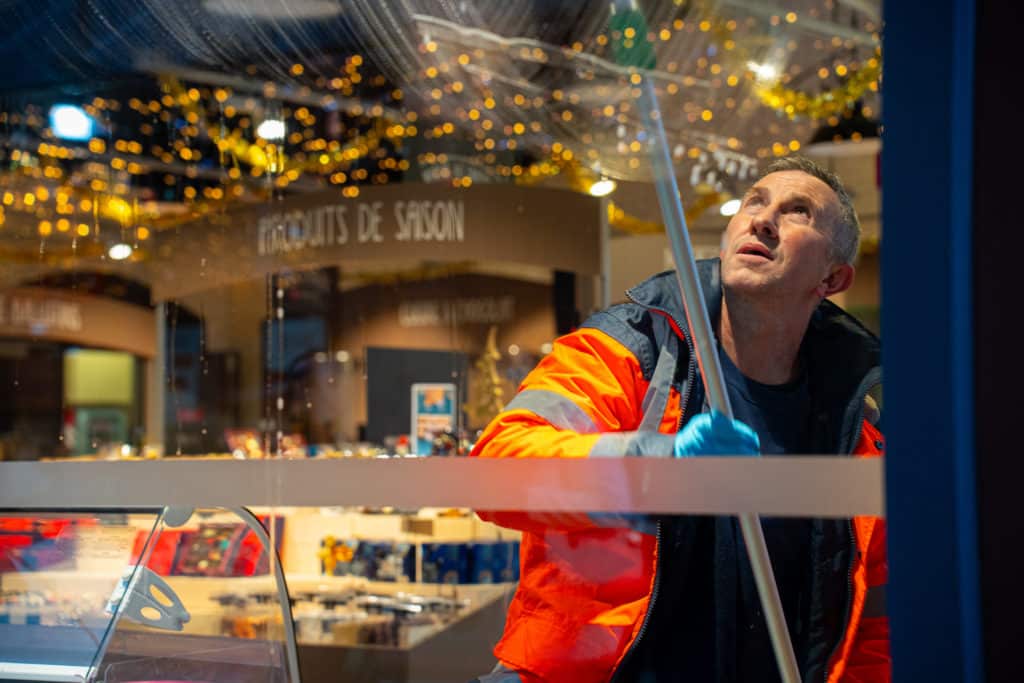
400	224
39	315
442	312
333	225
91	321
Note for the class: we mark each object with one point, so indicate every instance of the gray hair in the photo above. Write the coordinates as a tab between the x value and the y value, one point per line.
846	233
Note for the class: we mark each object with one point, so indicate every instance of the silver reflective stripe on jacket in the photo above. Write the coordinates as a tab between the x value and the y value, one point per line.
618	444
562	413
646	440
656	399
558	410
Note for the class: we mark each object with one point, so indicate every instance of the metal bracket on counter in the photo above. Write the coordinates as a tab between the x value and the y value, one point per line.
143	597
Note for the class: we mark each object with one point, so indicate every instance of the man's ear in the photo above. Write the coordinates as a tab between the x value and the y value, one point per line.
839	279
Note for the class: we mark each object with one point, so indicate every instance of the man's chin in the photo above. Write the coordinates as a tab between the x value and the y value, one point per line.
739	276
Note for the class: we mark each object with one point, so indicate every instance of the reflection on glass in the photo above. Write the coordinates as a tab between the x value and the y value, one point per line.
245	226
58	574
305	229
138	596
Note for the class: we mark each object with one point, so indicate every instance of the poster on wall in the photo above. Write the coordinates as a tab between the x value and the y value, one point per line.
433	412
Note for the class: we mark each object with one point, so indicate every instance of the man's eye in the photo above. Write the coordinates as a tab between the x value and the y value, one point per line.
801	209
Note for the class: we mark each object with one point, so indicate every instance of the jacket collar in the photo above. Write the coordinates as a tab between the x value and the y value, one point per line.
843	356
661	291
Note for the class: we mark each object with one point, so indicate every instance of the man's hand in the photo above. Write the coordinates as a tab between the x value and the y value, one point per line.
715	434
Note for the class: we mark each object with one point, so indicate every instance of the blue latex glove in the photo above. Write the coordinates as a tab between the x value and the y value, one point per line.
715	434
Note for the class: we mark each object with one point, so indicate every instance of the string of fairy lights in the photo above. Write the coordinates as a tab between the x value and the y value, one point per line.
443	101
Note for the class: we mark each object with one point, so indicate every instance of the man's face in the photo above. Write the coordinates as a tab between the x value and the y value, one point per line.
777	244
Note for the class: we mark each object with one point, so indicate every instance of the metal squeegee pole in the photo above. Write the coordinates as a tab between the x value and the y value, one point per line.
710	369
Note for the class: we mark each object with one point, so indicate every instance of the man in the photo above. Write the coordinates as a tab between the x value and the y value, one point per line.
598	603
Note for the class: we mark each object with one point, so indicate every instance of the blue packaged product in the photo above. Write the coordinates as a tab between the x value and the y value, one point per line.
495	562
484	557
446	563
348	561
515	560
393	561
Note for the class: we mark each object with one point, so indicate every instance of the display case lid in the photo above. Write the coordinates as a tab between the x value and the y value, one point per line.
112	595
58	573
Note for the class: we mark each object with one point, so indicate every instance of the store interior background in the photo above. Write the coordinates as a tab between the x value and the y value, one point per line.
173	139
138	319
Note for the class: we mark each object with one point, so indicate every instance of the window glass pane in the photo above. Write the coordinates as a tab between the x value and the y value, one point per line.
310	233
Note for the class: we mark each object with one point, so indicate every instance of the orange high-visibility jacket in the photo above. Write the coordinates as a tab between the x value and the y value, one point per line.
620	386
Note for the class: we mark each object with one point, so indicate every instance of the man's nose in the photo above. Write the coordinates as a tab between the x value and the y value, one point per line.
764	223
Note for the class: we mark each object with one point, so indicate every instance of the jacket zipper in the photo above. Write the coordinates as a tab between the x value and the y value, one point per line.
650	607
683	401
849	599
853	547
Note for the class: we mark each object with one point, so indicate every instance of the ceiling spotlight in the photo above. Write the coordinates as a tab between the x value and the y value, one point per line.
69	122
120	251
730	207
765	72
271	129
602	187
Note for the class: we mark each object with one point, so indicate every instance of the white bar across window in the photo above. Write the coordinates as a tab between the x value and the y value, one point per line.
806	486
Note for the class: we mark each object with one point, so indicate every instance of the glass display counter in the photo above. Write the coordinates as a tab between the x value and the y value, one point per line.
180	594
93	596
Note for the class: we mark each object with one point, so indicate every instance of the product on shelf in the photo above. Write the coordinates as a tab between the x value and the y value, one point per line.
376	560
350	450
494	562
244	443
163	551
212	549
353	616
208	551
251	626
445	563
477	562
29	544
53	608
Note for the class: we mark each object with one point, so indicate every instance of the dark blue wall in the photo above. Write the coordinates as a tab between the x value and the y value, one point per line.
927	325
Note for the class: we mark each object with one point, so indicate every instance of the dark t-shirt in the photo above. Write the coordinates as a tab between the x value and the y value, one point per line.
707	625
780	414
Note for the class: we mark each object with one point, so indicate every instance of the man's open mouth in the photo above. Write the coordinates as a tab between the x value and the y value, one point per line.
755	250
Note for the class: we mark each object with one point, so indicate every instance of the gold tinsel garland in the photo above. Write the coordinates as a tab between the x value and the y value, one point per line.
794	103
791	101
621	220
